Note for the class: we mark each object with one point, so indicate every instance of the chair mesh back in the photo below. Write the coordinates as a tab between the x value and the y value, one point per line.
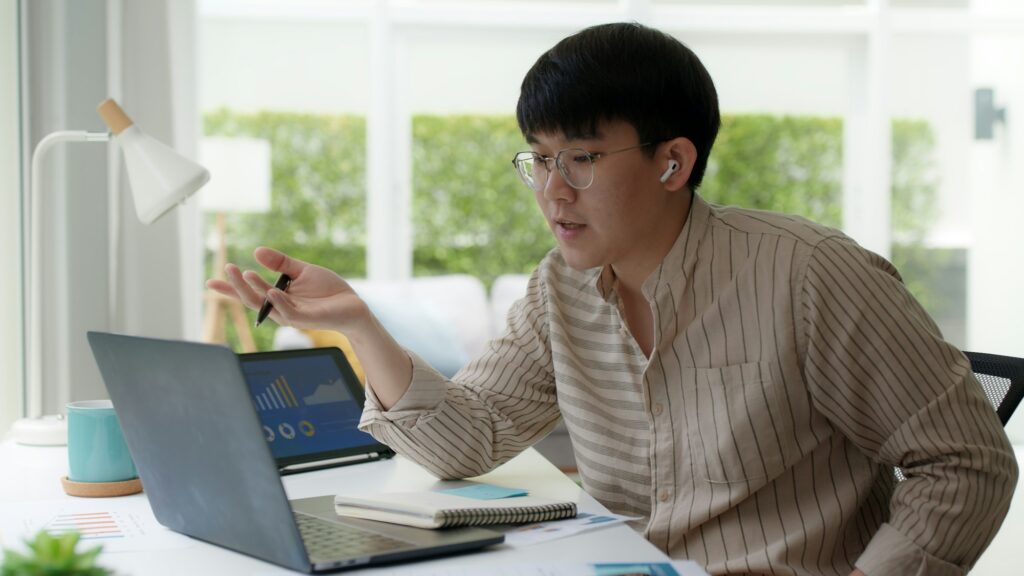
994	387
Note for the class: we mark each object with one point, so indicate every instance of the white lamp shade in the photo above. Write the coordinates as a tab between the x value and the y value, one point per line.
243	170
158	176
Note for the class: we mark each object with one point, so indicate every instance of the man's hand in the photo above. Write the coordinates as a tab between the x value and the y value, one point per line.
317	298
857	573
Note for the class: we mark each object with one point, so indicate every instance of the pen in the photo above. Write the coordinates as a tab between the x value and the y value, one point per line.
282	284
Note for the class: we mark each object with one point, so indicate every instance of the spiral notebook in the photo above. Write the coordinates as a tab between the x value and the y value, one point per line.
427	509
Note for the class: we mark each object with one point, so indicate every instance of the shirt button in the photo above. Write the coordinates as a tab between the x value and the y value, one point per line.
664	495
658	408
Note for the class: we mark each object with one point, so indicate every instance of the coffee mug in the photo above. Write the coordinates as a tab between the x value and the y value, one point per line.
96	448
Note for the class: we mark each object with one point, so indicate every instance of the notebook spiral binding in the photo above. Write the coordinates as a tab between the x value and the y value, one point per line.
527	514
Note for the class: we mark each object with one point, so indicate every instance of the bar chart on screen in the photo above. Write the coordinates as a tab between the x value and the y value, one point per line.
276	396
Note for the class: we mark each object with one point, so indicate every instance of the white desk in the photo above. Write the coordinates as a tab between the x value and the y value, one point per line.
33	474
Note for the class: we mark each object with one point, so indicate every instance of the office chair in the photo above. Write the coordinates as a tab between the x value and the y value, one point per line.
1002	381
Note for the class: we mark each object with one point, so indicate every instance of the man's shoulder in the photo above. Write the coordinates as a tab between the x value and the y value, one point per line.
765	223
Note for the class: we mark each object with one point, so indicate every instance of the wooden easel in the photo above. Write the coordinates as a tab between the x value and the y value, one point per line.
219	306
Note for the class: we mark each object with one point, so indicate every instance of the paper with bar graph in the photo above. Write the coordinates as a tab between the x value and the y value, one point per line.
119	525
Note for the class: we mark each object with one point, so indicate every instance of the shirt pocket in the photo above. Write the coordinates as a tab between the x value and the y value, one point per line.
737	426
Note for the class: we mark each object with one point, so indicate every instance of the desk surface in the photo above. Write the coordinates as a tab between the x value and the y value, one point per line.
33	474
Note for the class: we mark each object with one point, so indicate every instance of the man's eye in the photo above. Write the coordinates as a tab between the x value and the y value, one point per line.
581	158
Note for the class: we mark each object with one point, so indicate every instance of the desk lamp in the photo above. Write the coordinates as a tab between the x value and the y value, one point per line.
158	177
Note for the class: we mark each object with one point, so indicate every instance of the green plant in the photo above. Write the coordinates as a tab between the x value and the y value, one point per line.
52	556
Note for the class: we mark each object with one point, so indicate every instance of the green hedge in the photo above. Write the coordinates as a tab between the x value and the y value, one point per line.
472	215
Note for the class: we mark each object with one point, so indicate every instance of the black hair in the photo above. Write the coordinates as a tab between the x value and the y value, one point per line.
628	72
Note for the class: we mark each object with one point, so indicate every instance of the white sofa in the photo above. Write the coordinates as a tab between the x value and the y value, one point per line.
448	320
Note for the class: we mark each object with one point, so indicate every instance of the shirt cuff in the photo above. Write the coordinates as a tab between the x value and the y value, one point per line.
425	395
890	552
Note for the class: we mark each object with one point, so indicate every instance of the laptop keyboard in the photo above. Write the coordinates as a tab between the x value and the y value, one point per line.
325	539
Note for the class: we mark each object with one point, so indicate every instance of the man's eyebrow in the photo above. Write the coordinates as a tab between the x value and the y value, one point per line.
596	135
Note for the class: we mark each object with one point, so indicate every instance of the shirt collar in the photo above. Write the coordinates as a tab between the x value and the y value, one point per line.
680	257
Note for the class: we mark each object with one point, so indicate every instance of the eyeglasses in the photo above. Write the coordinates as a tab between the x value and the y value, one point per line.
576	166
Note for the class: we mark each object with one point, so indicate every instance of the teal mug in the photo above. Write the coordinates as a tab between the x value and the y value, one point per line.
96	448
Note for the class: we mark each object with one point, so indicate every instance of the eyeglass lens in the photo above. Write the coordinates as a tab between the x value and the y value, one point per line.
575	165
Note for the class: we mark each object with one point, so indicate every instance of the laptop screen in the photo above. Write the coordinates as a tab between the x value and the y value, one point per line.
309	402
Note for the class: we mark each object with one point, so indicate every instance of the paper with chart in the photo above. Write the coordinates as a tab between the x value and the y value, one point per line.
544	531
675	568
119	525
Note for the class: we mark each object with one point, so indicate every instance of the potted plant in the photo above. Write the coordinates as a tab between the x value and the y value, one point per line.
50	555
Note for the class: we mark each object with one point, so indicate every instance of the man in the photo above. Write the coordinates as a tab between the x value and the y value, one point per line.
744	381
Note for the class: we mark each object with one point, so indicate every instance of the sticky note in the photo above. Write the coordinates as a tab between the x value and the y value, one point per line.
485	492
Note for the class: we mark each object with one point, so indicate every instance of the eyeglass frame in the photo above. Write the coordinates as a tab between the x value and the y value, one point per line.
592	156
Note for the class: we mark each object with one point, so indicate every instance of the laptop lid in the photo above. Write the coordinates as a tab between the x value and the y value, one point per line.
309	403
196	441
189	420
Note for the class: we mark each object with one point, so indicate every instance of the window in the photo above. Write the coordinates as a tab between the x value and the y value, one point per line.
296	85
855	113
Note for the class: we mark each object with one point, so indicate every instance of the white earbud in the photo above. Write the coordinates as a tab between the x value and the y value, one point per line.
672	167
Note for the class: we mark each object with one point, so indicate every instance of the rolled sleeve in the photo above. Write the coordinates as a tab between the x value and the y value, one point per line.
426	393
890	552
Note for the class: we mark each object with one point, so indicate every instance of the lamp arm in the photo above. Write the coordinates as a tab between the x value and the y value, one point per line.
34	339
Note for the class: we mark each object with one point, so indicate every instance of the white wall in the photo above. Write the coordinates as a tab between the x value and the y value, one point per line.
10	219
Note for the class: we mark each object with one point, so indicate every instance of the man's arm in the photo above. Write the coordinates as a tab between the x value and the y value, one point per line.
497	406
878	369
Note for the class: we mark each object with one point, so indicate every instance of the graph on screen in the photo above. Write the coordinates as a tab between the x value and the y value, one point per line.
333	391
276	396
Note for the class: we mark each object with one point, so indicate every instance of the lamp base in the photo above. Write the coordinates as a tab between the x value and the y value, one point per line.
51	430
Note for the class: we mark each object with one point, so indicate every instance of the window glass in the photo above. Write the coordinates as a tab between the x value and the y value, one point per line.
471	213
929	80
298	87
781	145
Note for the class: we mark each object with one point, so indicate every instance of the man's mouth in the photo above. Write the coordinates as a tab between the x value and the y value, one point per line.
568	224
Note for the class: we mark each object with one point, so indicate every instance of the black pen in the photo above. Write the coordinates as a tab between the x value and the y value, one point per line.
282	285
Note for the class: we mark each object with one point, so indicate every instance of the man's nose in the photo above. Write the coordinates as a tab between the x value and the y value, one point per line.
556	188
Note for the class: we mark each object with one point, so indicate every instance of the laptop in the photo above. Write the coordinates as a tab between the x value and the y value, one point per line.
191	425
309	403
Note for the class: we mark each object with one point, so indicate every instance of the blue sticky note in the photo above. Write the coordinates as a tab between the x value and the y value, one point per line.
485	492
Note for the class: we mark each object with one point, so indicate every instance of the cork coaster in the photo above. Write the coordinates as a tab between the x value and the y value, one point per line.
101	489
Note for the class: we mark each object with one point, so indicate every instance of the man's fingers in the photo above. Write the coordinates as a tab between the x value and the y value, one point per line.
283	306
221	287
279	262
245	292
256	281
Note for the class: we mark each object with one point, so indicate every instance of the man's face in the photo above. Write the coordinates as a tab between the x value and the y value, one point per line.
624	218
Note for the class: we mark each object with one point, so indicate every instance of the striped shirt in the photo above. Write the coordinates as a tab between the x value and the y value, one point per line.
791	371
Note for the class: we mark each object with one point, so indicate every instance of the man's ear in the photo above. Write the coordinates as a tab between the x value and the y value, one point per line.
683	153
